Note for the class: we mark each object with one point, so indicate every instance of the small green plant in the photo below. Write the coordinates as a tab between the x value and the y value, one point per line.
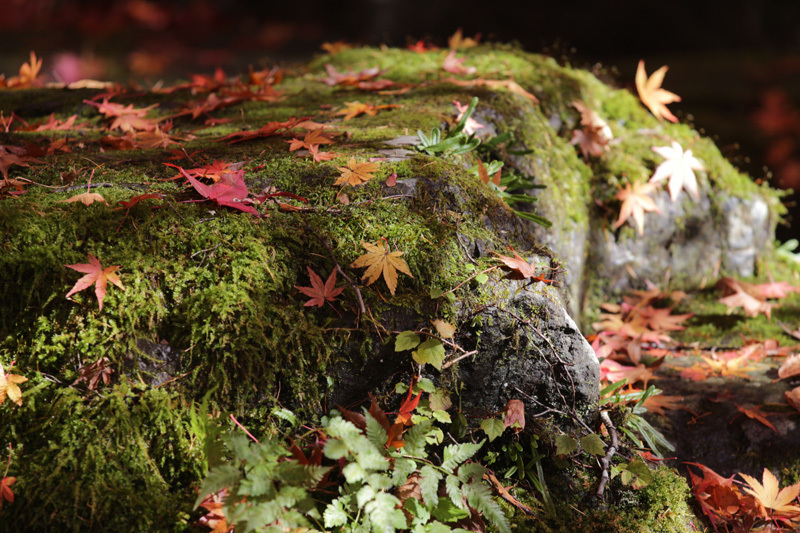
511	189
385	478
454	141
635	425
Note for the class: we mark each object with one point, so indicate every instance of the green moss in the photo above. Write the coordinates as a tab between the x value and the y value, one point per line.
120	462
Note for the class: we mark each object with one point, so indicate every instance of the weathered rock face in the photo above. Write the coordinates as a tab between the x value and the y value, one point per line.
691	241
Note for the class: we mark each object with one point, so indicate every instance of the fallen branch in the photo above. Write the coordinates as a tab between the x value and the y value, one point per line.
605	462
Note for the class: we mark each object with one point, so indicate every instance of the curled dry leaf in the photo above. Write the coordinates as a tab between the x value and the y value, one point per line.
514	414
595	135
445	329
793	397
790	367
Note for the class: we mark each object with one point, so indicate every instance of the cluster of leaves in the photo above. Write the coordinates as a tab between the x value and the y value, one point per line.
384	477
735	506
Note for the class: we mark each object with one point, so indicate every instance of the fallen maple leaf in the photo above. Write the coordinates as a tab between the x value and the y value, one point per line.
6	494
97	275
651	93
126	118
95	372
511	85
679	168
520	269
350	77
213	171
318	292
457	40
769	496
230	190
312	137
593	139
378	260
739	296
790	367
28	73
514	414
318	156
483	175
353	109
9	386
215	517
757	414
636	200
407	407
86	198
657	403
267	130
793	397
472	125
356	173
454	65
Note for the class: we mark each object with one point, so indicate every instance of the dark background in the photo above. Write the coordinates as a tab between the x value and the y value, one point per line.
736	64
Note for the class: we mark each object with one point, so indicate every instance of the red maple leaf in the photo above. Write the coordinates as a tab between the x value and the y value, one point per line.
230	190
5	490
267	130
350	77
97	275
407	407
318	292
520	269
126	118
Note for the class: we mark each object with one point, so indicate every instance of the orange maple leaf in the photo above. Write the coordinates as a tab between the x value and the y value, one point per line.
353	109
356	173
318	292
636	200
768	495
651	93
86	198
757	414
97	275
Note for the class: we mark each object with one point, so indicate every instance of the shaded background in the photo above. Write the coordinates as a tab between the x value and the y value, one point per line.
736	64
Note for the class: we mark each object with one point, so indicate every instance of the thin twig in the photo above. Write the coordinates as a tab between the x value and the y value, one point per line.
605	462
457	359
470	278
327	246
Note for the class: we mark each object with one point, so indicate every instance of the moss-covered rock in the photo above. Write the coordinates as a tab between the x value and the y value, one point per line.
211	302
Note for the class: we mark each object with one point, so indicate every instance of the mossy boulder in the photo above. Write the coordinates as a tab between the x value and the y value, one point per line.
211	305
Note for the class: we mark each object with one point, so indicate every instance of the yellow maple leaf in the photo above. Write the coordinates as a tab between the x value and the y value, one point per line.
651	93
9	386
356	173
769	496
379	260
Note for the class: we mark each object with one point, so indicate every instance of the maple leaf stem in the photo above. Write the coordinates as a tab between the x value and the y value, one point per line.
605	462
8	464
243	428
